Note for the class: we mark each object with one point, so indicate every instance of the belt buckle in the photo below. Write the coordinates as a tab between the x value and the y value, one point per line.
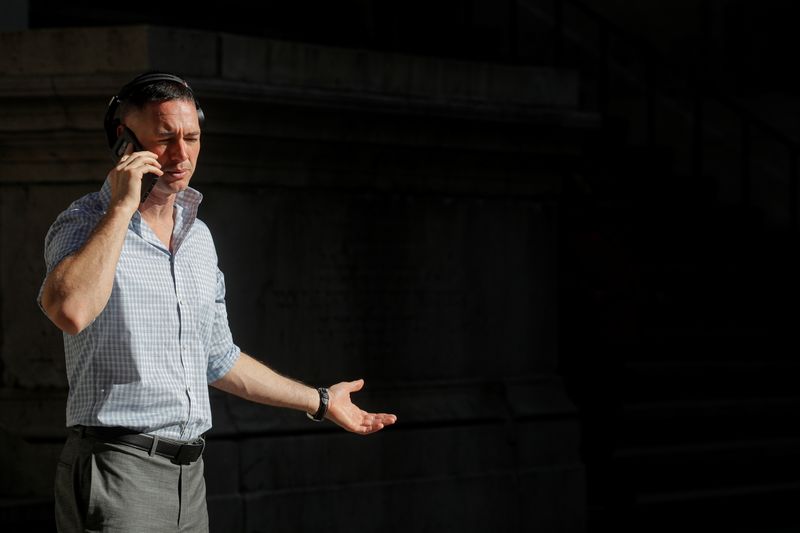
186	453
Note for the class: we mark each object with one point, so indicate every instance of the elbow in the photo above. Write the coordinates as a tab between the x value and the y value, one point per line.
68	318
70	324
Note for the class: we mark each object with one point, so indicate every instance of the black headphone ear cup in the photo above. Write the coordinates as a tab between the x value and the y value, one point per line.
201	117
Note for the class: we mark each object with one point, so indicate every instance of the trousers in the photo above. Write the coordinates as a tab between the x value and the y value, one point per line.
111	487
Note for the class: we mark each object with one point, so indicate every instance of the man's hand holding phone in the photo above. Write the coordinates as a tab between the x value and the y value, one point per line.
129	175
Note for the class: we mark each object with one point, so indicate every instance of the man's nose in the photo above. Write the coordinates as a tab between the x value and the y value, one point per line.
178	151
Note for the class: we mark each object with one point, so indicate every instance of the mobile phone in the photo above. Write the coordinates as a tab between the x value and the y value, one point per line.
118	150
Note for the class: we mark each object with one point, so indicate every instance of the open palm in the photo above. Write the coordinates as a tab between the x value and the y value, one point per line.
342	411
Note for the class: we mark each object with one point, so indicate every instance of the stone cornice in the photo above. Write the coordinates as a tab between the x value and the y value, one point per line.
96	61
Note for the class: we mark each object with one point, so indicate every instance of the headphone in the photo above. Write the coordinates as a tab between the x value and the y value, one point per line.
111	121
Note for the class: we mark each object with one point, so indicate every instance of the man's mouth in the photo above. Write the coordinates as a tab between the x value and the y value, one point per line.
176	173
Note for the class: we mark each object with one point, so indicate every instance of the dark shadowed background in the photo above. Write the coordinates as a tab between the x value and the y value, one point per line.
558	238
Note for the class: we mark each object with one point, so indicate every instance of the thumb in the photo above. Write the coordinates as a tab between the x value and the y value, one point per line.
356	385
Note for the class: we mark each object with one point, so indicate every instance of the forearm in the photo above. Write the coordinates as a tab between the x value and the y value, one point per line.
254	381
78	289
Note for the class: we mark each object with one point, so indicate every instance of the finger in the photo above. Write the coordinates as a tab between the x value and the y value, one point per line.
366	430
386	418
143	156
356	385
145	153
136	160
142	153
150	169
153	170
374	423
383	417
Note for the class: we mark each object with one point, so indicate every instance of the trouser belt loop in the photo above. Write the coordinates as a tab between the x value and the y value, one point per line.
154	446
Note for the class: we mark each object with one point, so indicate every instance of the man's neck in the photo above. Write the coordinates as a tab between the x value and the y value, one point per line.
157	210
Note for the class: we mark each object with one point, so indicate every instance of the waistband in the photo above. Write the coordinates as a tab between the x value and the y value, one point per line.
182	453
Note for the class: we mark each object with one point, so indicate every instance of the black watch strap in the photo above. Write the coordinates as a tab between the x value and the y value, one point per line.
319	416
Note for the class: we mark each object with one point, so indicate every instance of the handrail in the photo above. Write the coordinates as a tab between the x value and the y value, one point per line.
703	91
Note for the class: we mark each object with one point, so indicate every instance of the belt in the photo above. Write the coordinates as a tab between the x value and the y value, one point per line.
182	453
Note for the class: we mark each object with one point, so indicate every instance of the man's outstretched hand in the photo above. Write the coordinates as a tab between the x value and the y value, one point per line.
342	411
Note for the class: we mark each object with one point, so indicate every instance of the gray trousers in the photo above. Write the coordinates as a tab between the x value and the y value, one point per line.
105	486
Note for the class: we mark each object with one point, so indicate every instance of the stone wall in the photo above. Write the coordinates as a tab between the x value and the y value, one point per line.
376	215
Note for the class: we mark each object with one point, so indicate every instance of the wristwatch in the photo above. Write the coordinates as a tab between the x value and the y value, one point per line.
319	416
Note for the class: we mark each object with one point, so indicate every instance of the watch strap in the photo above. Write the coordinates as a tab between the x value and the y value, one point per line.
319	416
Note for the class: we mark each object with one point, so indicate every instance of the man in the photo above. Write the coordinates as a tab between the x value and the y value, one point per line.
134	286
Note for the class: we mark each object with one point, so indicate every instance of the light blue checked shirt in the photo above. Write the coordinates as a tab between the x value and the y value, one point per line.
146	360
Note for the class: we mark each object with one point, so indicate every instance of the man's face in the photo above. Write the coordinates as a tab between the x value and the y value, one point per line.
170	130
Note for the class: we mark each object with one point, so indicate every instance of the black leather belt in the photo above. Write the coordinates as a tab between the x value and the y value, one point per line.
182	453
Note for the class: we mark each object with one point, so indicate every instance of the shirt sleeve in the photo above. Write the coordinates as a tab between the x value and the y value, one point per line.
222	353
68	233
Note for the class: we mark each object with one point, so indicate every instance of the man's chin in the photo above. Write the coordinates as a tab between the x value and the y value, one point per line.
172	186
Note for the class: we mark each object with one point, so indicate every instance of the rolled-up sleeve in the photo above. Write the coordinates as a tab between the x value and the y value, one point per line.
222	352
66	236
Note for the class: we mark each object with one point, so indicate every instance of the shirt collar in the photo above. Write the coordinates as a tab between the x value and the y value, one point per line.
187	202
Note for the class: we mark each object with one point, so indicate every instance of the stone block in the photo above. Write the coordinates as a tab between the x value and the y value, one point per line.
226	513
34	415
553	499
21	114
28	515
32	347
190	53
222	470
491	502
309	461
28	469
62	51
244	58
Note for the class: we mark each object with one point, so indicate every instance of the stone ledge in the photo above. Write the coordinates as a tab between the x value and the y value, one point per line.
281	66
68	91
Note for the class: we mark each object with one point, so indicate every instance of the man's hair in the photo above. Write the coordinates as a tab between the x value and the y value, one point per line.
155	92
